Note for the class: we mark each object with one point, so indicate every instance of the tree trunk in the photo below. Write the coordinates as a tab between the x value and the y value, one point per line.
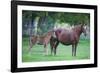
36	25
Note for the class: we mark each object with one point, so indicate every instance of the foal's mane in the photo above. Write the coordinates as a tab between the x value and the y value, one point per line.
46	34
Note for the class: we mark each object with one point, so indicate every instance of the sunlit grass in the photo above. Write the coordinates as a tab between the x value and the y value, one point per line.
63	52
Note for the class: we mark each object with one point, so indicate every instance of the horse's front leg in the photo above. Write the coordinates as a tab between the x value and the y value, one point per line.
55	47
52	45
73	49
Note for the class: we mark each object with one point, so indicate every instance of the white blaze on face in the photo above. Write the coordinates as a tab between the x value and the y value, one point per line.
84	27
54	35
86	30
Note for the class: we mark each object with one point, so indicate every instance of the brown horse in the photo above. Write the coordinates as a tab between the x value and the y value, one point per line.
67	37
41	40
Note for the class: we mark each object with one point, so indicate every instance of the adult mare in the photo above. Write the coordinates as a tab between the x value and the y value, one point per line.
67	37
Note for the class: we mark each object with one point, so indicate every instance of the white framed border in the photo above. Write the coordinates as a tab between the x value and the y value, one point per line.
53	63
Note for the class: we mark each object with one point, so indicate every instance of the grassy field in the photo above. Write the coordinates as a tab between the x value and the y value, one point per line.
63	52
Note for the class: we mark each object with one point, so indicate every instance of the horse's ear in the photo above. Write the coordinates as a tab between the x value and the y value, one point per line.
82	25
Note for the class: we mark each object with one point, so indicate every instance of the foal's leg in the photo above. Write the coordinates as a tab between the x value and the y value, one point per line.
30	47
30	44
45	49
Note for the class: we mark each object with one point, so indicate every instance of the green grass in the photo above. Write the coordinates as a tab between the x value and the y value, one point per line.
63	52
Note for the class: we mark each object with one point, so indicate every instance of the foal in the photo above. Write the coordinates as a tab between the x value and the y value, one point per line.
41	40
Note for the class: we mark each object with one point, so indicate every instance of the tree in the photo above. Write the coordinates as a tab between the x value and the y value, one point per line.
43	21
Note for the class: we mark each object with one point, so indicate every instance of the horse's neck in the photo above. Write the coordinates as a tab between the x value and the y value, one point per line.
77	31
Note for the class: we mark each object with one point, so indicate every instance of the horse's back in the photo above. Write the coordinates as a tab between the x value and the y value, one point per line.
67	36
33	39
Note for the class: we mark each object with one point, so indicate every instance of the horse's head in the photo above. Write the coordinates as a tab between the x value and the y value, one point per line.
84	29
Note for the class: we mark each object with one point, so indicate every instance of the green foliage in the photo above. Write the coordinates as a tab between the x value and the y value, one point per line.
63	17
48	19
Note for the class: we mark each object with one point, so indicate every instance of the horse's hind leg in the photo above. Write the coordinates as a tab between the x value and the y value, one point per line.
55	47
51	46
45	49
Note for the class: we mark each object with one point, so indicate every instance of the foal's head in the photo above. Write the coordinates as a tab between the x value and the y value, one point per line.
50	33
